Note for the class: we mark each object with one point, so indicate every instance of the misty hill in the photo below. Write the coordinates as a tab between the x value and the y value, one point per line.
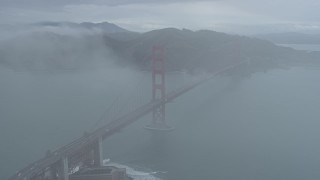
104	26
185	50
113	30
291	38
53	51
207	50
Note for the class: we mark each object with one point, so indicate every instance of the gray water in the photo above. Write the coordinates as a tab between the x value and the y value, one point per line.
262	127
305	47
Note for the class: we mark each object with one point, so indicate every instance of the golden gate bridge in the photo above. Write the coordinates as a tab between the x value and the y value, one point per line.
89	146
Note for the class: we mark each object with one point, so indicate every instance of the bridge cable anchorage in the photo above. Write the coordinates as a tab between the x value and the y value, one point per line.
158	91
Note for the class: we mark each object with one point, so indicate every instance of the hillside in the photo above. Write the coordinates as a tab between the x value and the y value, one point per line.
207	50
106	27
185	50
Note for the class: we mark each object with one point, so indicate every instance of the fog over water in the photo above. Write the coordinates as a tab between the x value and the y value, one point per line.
305	47
261	127
264	127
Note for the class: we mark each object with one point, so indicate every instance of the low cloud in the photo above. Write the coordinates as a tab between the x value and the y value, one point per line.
146	15
53	48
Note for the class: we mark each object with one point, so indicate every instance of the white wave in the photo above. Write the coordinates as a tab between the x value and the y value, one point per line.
137	175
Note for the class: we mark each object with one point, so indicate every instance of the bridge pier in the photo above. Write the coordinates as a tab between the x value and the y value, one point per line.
98	153
63	172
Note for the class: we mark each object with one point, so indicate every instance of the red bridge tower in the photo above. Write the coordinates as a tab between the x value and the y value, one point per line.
158	90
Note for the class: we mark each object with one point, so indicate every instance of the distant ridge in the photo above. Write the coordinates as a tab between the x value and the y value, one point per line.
104	26
192	51
204	50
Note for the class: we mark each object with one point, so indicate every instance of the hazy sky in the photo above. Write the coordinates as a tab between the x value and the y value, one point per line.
142	15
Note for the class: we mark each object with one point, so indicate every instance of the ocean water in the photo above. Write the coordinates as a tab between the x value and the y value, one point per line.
133	173
306	47
262	127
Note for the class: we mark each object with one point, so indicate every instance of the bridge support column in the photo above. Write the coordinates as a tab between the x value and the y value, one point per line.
64	169
158	90
98	153
51	173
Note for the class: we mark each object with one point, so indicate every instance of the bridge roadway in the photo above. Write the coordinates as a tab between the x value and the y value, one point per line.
73	148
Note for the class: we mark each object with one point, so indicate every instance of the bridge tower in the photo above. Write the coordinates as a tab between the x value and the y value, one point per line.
158	90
